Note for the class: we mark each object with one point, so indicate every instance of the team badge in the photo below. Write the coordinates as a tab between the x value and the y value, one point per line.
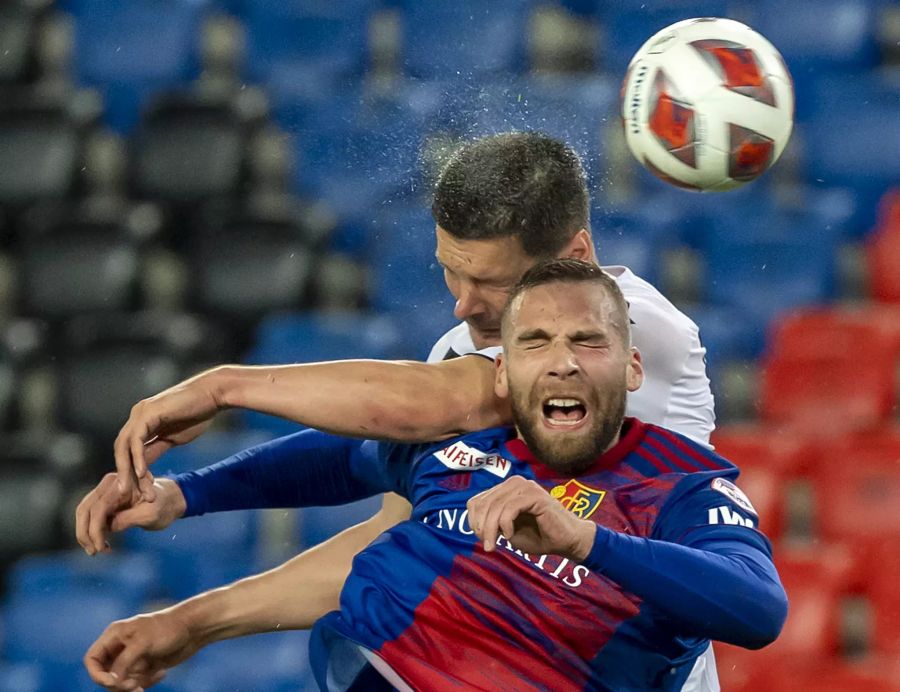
578	498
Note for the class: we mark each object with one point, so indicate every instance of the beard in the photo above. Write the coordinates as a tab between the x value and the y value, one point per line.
569	453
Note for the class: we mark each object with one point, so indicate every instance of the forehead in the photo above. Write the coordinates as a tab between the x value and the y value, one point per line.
564	307
482	259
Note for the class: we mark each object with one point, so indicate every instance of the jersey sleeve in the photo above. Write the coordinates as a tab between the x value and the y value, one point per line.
709	505
308	468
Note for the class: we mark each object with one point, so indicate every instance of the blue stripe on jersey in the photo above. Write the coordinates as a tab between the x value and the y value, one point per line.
699	459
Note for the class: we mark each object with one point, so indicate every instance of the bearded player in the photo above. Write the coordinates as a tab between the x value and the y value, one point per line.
578	550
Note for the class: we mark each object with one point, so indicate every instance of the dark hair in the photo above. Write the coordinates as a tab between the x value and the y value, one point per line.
516	183
574	271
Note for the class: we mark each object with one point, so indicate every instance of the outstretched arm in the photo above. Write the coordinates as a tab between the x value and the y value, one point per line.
138	651
302	469
357	398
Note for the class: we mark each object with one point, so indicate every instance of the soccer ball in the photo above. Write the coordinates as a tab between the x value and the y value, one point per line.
707	104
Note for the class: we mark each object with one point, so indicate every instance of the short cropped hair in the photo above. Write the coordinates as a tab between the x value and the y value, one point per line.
575	271
522	184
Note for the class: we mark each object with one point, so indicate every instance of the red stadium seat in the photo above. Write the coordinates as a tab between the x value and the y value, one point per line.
815	577
857	487
884	251
829	376
884	596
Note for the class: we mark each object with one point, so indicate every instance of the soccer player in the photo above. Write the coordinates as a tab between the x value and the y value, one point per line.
578	550
501	204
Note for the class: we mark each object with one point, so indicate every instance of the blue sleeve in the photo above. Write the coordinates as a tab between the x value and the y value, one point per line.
715	579
304	469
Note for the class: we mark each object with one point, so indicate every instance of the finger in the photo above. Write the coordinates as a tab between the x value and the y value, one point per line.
82	516
155	448
136	444
132	652
477	506
145	485
124	468
490	529
98	523
141	515
98	657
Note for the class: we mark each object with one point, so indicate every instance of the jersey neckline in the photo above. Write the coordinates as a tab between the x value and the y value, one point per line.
633	431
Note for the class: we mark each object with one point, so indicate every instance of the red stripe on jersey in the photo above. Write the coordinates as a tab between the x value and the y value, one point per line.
647	455
500	622
706	460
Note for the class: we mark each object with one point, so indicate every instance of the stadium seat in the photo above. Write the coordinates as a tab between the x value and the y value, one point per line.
132	576
624	29
132	49
841	148
40	150
880	586
575	109
234	665
311	38
829	380
77	269
29	505
857	484
22	677
407	281
187	150
243	276
317	524
833	33
200	553
19	26
433	46
883	249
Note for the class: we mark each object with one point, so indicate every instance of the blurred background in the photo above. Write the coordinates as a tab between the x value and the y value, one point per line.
190	182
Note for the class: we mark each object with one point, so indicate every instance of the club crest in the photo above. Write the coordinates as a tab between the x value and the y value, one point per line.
578	498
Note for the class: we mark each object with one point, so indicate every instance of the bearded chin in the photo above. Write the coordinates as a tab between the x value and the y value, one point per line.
569	454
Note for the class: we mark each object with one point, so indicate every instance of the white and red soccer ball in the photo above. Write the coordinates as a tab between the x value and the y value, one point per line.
707	104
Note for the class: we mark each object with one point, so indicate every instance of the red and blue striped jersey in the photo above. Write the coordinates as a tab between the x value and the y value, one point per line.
428	605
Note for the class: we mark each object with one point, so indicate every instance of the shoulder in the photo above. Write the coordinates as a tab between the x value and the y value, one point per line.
684	455
455	342
649	309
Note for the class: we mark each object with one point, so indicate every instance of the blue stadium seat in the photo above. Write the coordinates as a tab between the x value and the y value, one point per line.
856	147
359	169
464	38
132	576
131	48
728	333
766	276
200	553
626	26
311	337
274	662
575	109
22	677
312	38
57	627
828	33
407	281
317	524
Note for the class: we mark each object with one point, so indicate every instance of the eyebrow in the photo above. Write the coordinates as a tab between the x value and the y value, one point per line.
581	335
533	335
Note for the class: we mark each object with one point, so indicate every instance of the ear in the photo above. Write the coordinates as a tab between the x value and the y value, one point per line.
501	384
581	246
634	375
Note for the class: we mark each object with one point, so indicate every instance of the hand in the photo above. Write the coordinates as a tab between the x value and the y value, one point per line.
533	522
135	653
106	508
173	417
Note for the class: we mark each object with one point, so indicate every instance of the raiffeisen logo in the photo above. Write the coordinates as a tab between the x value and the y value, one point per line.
460	457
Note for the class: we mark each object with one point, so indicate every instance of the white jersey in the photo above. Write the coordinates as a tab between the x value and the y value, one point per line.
675	393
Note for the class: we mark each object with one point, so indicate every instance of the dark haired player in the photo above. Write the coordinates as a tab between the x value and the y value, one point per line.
579	550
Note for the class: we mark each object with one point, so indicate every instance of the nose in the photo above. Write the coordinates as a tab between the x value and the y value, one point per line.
468	303
562	362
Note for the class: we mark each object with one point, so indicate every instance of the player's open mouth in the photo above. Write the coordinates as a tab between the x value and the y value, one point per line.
564	413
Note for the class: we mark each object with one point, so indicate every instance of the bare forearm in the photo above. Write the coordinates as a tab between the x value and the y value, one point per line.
289	597
368	398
